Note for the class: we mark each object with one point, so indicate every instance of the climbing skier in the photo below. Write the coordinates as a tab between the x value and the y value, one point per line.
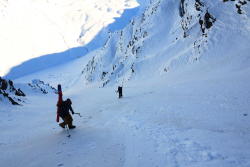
64	108
209	20
119	90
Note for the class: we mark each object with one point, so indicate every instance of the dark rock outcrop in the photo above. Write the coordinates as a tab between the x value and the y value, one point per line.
239	4
40	86
9	92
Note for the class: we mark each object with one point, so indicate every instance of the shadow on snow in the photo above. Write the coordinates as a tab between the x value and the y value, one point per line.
55	59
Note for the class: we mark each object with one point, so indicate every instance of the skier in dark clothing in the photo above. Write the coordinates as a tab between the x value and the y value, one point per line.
119	90
65	115
209	20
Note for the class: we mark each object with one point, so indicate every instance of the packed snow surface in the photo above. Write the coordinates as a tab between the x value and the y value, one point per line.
174	121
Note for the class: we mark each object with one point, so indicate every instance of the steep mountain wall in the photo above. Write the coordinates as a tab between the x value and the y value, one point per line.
171	35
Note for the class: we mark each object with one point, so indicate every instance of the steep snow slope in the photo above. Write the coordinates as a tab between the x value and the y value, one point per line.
170	35
175	120
32	28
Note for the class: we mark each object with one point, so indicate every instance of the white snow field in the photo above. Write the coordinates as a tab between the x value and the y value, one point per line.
172	121
186	94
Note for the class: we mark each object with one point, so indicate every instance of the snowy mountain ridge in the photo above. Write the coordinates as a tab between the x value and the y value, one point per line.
167	37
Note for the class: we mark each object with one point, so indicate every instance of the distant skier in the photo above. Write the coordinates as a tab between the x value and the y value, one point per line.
64	107
209	20
119	90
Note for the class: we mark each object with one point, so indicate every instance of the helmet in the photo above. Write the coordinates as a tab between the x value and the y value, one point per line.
68	101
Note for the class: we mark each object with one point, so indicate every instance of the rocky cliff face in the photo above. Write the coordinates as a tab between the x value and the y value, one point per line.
10	93
39	86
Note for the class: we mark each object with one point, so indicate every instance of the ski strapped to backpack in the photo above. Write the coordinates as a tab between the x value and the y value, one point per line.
59	102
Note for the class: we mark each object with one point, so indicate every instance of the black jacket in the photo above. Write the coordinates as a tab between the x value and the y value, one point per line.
64	109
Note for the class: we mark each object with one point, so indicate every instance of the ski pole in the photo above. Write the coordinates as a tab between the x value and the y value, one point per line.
78	114
67	129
